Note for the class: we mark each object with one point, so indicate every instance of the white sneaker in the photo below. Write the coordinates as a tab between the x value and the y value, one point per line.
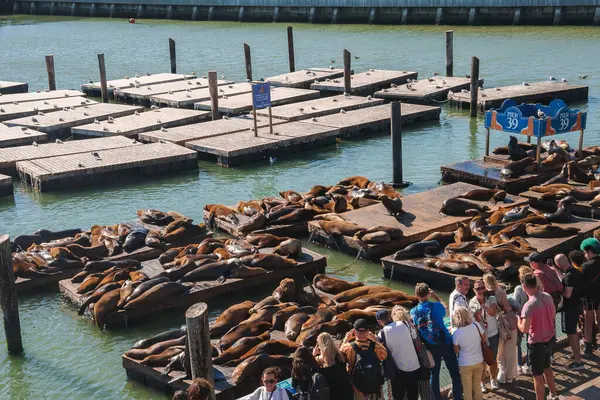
494	384
525	370
501	377
553	397
483	388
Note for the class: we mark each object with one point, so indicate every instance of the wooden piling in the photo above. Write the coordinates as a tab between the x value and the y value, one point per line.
51	74
474	85
449	53
173	56
396	133
347	72
248	62
290	37
103	85
8	298
198	339
214	94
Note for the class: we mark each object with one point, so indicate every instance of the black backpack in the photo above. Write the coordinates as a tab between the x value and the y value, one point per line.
367	374
318	390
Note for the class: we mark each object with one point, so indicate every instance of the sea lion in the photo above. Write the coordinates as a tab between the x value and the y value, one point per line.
268	261
252	367
241	330
497	216
281	316
271	346
96	252
104	306
454	266
276	213
491	195
186	265
157	348
290	195
503	150
289	248
230	318
264	240
98	293
286	291
222	212
456	206
497	256
392	295
211	271
576	174
267	301
328	217
162	359
418	249
352	315
90	283
249	208
126	290
43	235
595	202
517	168
340	228
255	222
392	205
135	240
515	214
551	187
584	194
550	231
316	191
562	177
294	324
463	233
297	215
154	217
353	293
372	238
160	293
589	161
554	160
144	286
515	152
462	247
359	181
239	348
322	315
360	202
335	328
562	214
331	285
443	238
160	337
266	313
382	188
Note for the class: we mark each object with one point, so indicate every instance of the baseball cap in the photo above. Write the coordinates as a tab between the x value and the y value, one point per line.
361	324
590	243
382	314
535	257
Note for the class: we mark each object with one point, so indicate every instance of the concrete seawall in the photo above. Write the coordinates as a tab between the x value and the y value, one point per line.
395	12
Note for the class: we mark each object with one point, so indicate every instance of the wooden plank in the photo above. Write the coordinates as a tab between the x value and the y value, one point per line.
319	107
6	186
367	82
183	134
143	93
243	103
93	89
188	98
425	91
20	110
421	218
86	168
535	92
7	87
132	125
37	96
19	136
304	77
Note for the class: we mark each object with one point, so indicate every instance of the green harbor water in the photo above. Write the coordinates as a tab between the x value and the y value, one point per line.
66	357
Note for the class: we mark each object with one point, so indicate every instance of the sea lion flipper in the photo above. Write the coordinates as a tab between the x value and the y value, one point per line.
221	280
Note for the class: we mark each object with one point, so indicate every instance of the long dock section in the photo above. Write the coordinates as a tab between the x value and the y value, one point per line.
94	89
303	78
535	92
143	94
27	109
19	136
132	125
6	187
187	98
88	168
37	96
425	91
7	87
581	208
366	83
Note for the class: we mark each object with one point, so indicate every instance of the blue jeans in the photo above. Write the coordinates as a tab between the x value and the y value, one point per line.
445	352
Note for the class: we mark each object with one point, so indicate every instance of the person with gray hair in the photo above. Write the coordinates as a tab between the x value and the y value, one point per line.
458	297
467	339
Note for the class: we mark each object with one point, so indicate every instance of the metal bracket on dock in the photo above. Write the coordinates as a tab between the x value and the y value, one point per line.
52	5
112	10
140	10
404	19
438	15
73	6
92	9
372	16
517	16
169	12
557	15
32	8
472	14
597	16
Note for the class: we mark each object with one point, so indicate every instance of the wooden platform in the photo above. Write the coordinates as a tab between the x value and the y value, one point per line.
139	122
422	218
303	78
143	94
187	99
94	89
7	87
581	208
86	169
290	230
19	136
181	135
536	92
367	82
242	103
6	186
319	107
37	96
20	110
425	91
311	263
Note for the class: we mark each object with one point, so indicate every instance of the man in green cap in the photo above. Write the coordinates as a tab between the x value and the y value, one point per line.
590	272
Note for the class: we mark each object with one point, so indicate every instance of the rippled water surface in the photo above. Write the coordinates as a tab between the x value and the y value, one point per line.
65	356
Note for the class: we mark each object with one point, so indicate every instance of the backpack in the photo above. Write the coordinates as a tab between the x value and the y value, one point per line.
428	330
318	389
367	374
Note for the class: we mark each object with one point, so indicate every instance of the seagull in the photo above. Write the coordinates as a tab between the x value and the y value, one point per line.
95	154
439	87
154	107
87	114
80	165
162	141
41	113
163	129
394	85
136	113
314	119
468	76
498	89
564	80
34	119
222	90
2	109
96	121
369	97
409	87
224	96
335	100
450	93
347	95
444	82
47	103
137	76
552	78
464	91
333	61
343	111
525	84
91	81
435	73
225	117
301	110
134	141
105	129
61	119
313	107
149	88
287	78
158	121
111	120
23	128
331	67
83	103
34	144
223	77
431	79
170	92
58	141
541	114
582	76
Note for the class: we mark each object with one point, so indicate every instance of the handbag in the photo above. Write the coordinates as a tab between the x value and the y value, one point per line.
423	354
390	369
488	354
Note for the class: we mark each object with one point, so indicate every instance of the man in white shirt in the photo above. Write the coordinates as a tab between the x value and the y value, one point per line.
458	297
270	390
397	338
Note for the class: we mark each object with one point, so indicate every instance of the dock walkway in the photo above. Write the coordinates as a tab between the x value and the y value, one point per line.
7	87
31	108
6	187
366	83
95	90
37	96
143	94
19	136
186	99
303	78
425	91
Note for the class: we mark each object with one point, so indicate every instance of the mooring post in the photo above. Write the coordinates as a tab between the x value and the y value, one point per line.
396	133
214	94
538	152
173	56
290	34
449	53
198	338
248	62
8	298
487	141
347	76
50	69
474	85
580	148
103	85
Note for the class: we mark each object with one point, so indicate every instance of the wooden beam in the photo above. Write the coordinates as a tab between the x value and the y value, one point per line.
248	62
474	85
449	53
8	299
347	76
198	339
290	37
173	56
214	94
103	84
51	74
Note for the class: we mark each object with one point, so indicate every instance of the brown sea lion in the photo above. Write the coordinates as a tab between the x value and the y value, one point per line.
267	301
286	291
96	252
594	184
443	238
491	195
161	293
136	276
261	240
252	367
154	217
294	324
211	271
497	256
281	316
340	228
231	317
552	187
517	168
392	205
222	212
372	238
126	290
360	202
160	337
352	315
463	233
104	306
244	329
162	359
90	283
268	261
290	195
353	293
392	295
550	231
271	346
456	206
331	285
595	202
497	216
418	249
359	181
146	285
255	222
249	208
328	217
289	248
266	313
454	266
239	348
515	214
98	293
322	315
334	328
578	174
462	247
584	194
157	348
554	160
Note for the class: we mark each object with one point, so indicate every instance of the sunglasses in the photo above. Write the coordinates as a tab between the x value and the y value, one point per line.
269	381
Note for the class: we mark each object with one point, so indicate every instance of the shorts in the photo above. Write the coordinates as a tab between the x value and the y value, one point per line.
590	304
540	356
494	343
570	318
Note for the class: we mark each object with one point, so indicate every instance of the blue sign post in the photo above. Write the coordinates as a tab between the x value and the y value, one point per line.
261	98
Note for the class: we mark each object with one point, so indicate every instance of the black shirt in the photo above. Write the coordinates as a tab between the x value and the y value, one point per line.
572	278
590	279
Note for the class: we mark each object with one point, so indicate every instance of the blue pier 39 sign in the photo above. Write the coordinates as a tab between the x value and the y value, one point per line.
261	95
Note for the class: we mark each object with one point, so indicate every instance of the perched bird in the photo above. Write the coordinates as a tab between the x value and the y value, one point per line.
134	141
223	76
105	128
333	61
525	84
91	81
369	97
347	94
467	76
552	78
301	110
225	117
444	82
41	113
287	78
154	107
23	128
95	154
224	96
61	119
335	100
149	88
170	92
163	129
464	91
314	119
435	74
87	114
34	144
331	67
111	120
541	114
96	121
583	76
564	80
497	88
158	121
431	79
34	119
393	206
313	107
343	111
393	85
80	165
272	160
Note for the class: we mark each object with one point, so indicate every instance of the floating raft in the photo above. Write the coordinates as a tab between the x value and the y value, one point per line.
416	270
19	136
7	87
302	79
421	218
37	96
60	122
26	109
310	264
243	103
367	82
289	230
95	90
6	186
581	208
425	91
319	107
144	93
132	125
85	168
187	99
10	156
536	92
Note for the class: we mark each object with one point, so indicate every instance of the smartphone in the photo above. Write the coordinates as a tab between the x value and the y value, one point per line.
550	262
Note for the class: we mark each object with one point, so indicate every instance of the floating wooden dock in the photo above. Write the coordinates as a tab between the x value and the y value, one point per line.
132	125
535	92
187	98
310	264
19	136
7	87
10	156
143	94
94	89
20	110
86	168
59	123
37	96
6	186
421	218
303	78
296	230
367	82
581	208
242	103
319	107
425	91
416	270
183	134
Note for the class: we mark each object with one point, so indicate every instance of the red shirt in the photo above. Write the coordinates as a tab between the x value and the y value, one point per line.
550	281
540	308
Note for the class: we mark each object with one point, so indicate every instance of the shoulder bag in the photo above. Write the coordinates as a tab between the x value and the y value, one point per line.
488	354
